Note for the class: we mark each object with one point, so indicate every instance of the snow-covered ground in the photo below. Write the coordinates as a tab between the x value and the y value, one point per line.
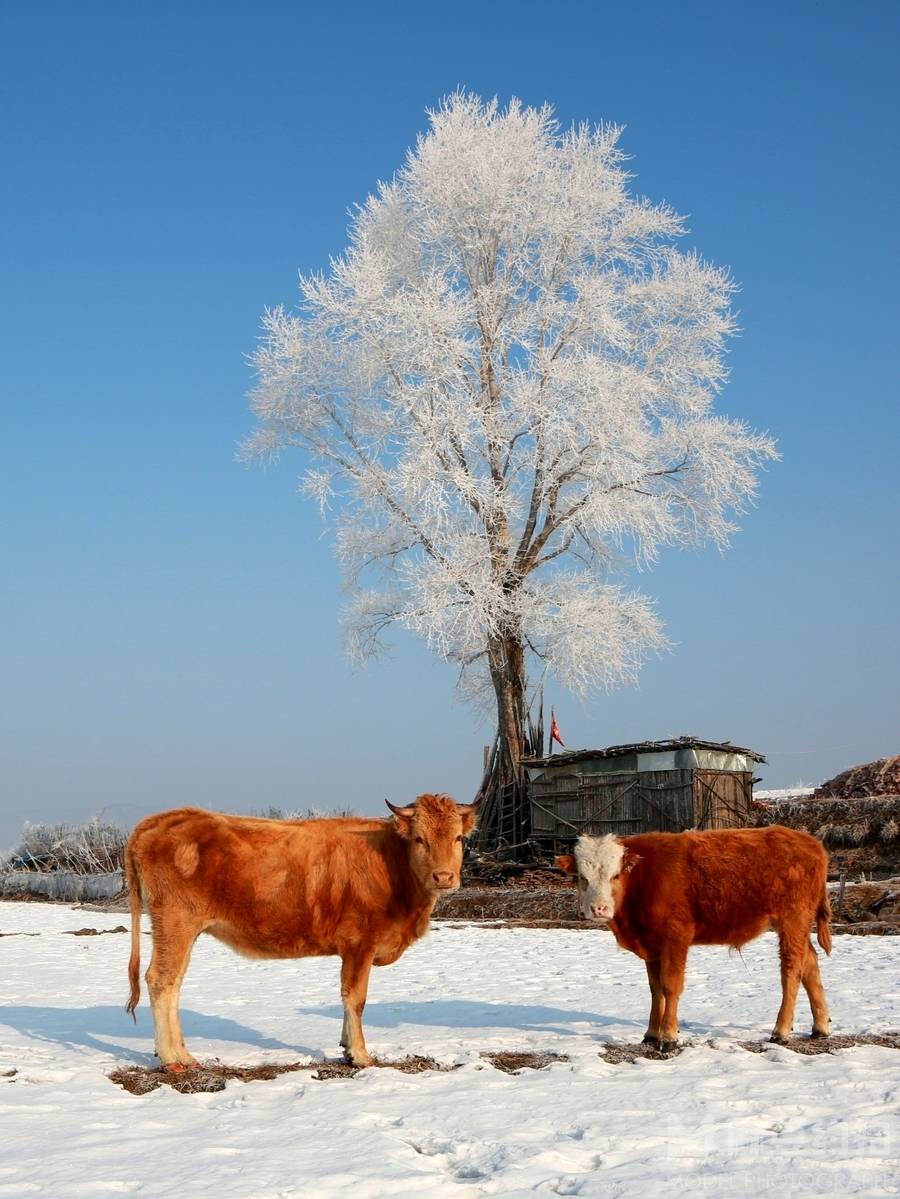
715	1121
799	792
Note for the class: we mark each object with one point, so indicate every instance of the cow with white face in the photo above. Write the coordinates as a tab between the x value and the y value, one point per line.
600	863
661	893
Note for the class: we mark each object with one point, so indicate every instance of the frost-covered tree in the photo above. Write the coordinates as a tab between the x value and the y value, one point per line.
504	391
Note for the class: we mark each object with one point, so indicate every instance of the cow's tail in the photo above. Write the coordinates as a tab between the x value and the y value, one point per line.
823	916
135	900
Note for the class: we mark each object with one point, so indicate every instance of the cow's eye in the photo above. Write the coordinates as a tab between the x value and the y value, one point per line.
613	878
582	882
420	840
459	838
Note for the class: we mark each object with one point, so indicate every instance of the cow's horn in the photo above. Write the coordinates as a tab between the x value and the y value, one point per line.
400	811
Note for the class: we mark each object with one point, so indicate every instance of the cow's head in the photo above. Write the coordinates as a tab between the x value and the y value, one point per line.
435	826
600	865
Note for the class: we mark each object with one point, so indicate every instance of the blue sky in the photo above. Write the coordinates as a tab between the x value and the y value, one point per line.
168	628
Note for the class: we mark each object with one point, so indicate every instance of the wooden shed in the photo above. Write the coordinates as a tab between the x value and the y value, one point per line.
667	786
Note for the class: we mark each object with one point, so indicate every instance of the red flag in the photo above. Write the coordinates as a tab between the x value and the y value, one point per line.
555	734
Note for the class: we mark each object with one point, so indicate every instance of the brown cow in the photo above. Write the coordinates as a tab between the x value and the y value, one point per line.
663	892
361	889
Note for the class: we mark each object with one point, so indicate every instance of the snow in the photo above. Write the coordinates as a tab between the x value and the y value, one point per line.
801	792
714	1121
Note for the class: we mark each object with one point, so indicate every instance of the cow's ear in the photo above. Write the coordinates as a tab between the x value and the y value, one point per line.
631	860
469	814
567	863
402	819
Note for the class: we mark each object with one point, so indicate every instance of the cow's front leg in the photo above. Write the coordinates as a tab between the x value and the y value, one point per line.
355	969
657	1004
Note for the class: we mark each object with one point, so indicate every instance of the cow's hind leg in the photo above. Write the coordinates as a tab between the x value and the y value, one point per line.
812	983
657	1004
173	939
671	979
793	944
355	971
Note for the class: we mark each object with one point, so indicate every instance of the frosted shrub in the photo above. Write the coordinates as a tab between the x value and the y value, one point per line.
92	848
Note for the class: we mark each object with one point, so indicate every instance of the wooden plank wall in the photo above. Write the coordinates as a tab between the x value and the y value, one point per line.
722	798
627	803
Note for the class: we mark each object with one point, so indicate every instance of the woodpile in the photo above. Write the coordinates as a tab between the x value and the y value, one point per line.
488	870
881	777
864	903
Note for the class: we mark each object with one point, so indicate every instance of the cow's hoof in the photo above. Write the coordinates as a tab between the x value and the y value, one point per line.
180	1067
819	1035
666	1046
360	1060
777	1039
649	1039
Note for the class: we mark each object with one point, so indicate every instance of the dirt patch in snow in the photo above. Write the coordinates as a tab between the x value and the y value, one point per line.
213	1076
512	1062
617	1054
414	1064
814	1045
94	932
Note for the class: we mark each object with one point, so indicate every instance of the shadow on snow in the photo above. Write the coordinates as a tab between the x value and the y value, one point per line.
466	1013
109	1029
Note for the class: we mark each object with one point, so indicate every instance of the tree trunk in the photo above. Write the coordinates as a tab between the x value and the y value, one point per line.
506	655
504	824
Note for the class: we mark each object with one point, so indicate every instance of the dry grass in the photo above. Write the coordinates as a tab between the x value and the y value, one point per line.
524	922
861	831
508	903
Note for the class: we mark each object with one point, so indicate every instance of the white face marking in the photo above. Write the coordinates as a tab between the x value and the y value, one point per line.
599	861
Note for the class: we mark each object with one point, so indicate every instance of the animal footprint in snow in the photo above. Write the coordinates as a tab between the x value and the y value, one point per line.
431	1146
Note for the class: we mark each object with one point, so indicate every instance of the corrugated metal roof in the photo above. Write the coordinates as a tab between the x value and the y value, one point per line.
641	747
